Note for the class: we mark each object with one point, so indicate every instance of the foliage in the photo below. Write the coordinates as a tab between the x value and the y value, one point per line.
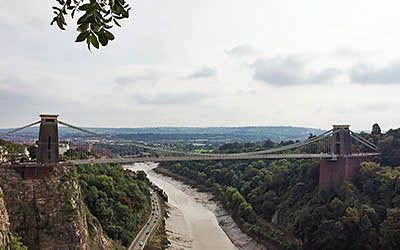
15	243
389	145
32	149
15	151
390	230
74	154
376	130
364	214
119	201
97	20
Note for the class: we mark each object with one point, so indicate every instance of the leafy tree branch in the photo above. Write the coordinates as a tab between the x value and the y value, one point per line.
98	18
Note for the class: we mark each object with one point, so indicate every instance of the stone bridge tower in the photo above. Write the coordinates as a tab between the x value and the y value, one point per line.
343	166
341	141
48	140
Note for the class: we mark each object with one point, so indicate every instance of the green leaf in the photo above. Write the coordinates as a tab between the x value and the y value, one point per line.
82	36
94	41
118	17
84	7
106	26
94	26
53	21
60	23
103	39
109	35
88	43
83	27
83	18
115	21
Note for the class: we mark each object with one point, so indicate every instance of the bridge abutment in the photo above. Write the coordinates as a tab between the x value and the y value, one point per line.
333	172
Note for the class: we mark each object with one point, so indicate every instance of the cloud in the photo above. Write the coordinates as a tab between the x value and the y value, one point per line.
368	74
242	50
139	75
203	73
21	99
10	81
347	53
350	53
290	70
171	98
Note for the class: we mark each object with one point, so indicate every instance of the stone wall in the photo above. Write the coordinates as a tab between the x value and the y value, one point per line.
333	172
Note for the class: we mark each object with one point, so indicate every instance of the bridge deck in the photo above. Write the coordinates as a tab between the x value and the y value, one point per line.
211	157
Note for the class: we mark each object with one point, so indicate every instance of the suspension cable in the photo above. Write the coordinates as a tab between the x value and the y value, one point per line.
374	148
363	139
78	128
140	145
19	129
292	146
132	143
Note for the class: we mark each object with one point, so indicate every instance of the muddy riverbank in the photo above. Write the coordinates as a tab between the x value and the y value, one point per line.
195	220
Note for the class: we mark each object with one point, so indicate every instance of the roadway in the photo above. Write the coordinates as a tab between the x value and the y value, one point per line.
121	160
152	224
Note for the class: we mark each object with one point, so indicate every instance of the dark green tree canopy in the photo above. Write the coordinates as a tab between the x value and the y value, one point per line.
97	19
376	130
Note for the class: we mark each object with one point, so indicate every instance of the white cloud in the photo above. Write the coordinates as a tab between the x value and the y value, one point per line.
204	72
368	74
243	50
171	98
290	70
139	75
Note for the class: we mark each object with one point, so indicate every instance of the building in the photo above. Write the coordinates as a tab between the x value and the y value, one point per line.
63	147
3	154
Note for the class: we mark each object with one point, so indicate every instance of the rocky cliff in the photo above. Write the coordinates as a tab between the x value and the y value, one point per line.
48	211
4	223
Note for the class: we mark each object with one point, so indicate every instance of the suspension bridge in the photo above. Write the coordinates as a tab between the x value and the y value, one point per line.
340	150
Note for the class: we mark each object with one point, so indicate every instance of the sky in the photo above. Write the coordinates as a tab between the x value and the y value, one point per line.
305	63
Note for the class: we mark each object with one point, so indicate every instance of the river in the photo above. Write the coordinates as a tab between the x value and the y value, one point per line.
192	221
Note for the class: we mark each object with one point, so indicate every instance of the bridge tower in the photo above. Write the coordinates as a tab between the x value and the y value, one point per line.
343	166
48	140
341	140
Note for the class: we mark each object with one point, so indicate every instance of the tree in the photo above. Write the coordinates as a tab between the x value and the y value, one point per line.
390	230
32	149
390	150
141	175
376	130
97	20
268	144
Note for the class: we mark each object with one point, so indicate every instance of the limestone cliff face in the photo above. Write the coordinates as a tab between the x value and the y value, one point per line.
48	212
4	223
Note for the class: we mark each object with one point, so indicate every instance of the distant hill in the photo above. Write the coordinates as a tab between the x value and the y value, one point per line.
222	134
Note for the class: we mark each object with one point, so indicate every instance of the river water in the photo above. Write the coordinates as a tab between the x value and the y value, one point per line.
190	225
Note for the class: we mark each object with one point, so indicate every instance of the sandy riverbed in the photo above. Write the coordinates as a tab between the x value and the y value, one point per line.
195	220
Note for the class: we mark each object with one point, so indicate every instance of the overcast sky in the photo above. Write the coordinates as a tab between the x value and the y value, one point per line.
207	63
